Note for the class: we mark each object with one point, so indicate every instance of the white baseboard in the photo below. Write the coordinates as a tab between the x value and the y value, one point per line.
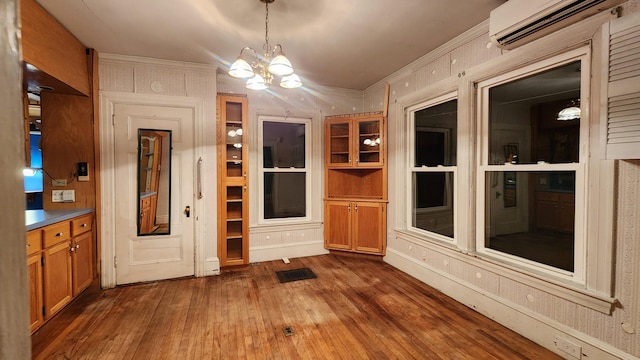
290	250
211	266
542	331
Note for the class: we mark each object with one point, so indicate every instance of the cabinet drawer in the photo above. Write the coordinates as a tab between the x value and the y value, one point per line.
34	241
56	233
547	196
81	224
145	203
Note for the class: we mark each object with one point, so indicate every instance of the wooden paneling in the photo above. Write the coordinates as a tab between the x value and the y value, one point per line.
355	309
52	49
67	138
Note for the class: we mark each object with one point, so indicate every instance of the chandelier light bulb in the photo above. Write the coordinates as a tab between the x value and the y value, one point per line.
256	83
241	69
291	82
280	65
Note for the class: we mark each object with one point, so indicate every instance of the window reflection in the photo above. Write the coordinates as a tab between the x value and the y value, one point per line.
531	214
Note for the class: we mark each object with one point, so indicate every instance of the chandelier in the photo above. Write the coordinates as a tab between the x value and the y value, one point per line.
260	72
570	112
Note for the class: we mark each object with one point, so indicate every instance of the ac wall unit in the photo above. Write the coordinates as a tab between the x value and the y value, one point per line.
517	22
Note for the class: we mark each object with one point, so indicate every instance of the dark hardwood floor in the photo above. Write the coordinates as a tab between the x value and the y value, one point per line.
355	309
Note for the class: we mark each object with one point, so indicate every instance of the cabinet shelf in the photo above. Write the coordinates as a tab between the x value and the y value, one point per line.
233	153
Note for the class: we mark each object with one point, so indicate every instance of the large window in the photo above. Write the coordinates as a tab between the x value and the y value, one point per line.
531	171
284	168
433	165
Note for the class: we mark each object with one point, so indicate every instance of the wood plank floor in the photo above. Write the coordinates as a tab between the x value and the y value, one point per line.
355	309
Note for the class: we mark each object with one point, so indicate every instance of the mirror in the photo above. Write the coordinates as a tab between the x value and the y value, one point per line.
154	182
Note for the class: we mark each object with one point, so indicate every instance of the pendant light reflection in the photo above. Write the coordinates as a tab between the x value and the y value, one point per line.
570	112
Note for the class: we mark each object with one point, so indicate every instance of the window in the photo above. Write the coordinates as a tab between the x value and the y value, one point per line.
531	171
433	165
284	168
33	175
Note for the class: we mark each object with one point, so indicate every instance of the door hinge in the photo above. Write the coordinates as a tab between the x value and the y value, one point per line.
115	261
44	311
42	261
113	119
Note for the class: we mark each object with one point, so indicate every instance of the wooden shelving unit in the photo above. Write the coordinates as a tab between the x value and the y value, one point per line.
233	195
356	183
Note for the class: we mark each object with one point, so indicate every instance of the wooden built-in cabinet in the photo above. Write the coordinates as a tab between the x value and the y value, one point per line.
355	183
233	194
60	263
555	211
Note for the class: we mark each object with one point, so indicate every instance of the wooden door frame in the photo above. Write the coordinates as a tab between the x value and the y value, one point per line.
108	101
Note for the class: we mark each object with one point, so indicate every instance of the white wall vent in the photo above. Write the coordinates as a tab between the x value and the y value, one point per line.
517	22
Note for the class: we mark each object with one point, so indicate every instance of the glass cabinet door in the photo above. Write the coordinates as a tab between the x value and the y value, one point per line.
339	143
233	127
369	144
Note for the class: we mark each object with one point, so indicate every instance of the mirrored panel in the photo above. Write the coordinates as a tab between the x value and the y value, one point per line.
154	182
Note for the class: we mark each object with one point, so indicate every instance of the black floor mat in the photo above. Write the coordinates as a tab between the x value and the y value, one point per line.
295	275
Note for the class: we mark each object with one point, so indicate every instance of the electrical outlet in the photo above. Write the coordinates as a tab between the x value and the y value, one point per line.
63	196
56	195
58	182
568	347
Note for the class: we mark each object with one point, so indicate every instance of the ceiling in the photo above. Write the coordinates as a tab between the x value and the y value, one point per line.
341	43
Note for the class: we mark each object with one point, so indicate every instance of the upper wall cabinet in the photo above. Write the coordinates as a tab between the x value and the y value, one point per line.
355	141
56	58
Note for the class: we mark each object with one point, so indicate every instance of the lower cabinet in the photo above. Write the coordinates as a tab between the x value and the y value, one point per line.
57	277
358	226
82	262
555	211
36	313
60	264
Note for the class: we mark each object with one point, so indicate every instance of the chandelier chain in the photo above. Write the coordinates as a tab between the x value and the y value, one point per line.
266	28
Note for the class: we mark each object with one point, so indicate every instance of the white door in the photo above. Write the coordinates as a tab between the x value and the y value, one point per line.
153	257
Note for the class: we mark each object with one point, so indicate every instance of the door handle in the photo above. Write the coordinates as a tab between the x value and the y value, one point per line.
187	211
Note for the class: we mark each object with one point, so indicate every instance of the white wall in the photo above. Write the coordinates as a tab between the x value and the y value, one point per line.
533	308
14	300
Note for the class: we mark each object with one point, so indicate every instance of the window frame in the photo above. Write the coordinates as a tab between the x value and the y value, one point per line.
412	169
581	169
306	170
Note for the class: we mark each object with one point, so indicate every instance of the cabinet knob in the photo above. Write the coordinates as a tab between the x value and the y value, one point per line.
83	225
59	234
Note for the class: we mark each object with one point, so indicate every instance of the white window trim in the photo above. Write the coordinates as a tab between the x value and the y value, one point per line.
307	170
578	276
410	111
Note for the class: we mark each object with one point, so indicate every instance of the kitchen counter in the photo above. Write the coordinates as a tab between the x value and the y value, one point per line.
38	218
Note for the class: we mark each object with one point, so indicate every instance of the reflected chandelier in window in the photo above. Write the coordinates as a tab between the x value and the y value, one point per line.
570	112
